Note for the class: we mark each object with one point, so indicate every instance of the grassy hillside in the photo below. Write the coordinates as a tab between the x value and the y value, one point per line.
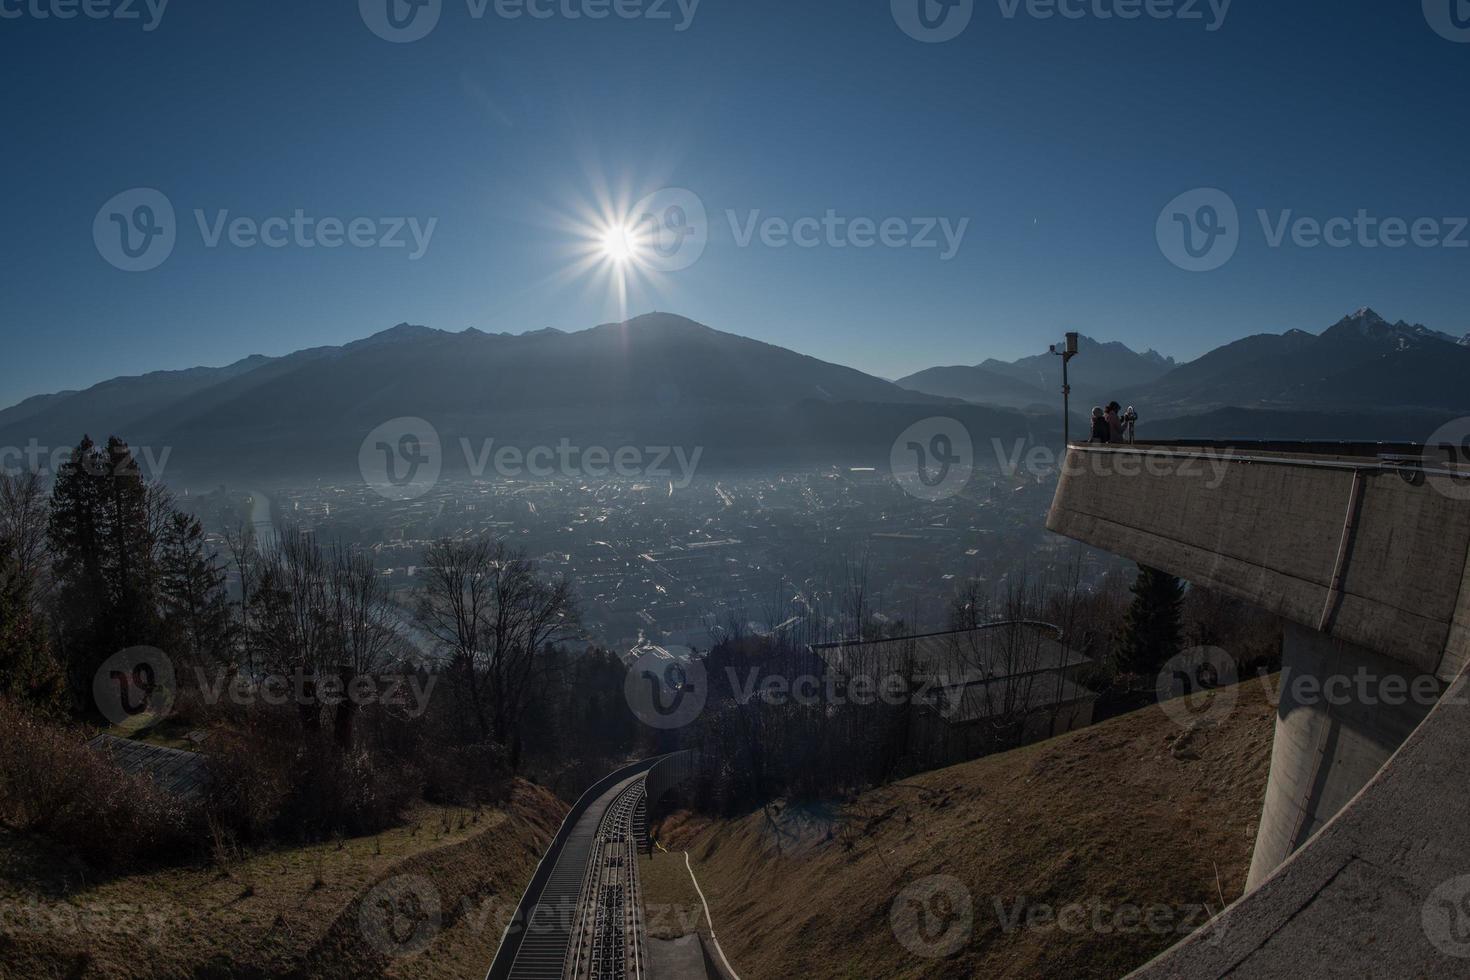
364	907
1083	856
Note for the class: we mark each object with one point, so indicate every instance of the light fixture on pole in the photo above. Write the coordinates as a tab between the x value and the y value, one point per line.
1068	351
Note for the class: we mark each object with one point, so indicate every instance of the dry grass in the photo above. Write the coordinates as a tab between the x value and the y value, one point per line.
1132	813
290	912
671	906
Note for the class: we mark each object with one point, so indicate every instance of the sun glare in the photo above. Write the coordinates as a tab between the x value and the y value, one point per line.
617	244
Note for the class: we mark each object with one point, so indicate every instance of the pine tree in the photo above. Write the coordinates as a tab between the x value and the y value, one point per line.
191	591
102	538
1151	631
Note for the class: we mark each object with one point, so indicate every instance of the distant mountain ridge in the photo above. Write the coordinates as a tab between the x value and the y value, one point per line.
1036	381
1361	363
654	380
662	379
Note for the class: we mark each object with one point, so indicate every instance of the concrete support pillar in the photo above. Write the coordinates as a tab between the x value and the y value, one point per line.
1343	711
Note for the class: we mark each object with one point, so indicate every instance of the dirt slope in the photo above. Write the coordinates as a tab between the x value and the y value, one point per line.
1082	856
429	899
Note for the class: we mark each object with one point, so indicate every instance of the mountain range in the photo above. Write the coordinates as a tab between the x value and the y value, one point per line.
656	380
1361	363
664	380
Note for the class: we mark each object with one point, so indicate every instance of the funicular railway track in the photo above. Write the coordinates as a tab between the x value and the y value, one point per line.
581	916
607	943
588	919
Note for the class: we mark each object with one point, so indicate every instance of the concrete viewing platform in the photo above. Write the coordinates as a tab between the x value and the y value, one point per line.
1362	859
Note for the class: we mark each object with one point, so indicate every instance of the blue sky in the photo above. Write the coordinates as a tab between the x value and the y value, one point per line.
1059	140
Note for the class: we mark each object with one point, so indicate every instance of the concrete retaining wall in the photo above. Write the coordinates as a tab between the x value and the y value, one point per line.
1270	531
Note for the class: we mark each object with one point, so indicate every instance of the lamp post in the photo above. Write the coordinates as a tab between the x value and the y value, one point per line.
1068	351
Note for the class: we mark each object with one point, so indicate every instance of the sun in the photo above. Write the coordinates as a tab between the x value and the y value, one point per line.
617	244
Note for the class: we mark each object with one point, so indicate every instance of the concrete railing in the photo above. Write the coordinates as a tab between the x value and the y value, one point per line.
1367	549
1363	547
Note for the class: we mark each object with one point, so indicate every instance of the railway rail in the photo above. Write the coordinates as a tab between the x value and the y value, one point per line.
581	917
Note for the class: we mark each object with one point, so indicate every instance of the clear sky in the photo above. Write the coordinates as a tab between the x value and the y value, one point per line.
1060	139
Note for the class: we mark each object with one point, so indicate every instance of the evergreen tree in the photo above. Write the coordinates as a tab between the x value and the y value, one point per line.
1151	631
191	585
102	541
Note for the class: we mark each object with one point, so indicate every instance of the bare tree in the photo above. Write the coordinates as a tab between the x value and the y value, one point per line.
246	558
490	609
294	626
23	517
366	627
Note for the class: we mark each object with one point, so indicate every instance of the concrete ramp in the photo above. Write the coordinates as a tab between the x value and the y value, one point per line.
1383	890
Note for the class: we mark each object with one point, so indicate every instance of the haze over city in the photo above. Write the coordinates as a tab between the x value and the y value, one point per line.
698	490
